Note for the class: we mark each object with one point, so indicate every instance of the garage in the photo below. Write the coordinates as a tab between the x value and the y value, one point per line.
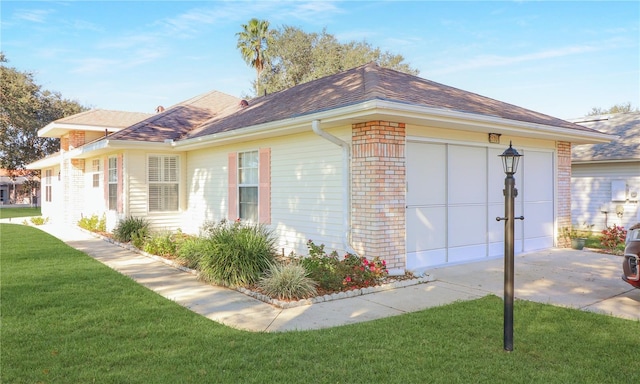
454	194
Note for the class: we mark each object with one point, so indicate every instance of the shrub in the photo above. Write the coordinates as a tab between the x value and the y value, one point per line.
93	223
240	254
352	271
325	269
39	220
613	237
191	250
287	282
160	244
131	227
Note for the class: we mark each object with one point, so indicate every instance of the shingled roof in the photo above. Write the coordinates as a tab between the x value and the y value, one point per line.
104	118
179	119
216	112
364	83
627	147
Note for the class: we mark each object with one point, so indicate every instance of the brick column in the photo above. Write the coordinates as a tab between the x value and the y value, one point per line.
378	190
564	190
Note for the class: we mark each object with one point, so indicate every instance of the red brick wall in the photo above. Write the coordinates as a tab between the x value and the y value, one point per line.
564	189
76	139
378	190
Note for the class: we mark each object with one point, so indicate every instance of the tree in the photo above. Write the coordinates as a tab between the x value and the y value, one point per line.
25	108
617	108
253	42
296	57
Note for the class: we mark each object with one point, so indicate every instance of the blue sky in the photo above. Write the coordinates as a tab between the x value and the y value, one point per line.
558	58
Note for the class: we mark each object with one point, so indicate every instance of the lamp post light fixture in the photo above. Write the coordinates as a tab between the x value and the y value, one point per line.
510	158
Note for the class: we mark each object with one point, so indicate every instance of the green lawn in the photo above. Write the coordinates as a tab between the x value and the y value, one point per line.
66	318
6	213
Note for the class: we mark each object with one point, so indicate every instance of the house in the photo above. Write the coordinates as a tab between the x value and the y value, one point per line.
68	188
18	187
605	181
369	160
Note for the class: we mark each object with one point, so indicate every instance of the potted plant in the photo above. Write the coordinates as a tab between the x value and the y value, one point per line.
577	237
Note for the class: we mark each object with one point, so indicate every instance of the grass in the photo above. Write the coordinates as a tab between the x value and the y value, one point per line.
66	318
9	213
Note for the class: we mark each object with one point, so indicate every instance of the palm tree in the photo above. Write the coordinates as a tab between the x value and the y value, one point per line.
252	43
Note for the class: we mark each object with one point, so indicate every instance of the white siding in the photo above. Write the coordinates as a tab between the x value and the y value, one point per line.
135	191
591	194
306	189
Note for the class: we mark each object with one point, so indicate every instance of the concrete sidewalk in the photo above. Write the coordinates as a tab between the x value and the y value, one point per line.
578	279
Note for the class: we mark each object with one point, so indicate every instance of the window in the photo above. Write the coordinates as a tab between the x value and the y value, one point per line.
163	183
47	185
95	165
113	183
248	186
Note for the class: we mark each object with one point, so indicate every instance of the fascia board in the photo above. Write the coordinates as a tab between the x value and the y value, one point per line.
106	145
56	129
46	162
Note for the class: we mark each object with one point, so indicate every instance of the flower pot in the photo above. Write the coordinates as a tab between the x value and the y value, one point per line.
578	243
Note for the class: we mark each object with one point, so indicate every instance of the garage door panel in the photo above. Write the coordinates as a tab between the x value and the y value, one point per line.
537	219
537	166
495	177
426	174
467	174
423	259
467	225
425	228
467	253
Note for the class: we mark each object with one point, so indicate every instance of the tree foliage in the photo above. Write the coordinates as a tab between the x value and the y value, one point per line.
295	57
253	42
617	108
25	108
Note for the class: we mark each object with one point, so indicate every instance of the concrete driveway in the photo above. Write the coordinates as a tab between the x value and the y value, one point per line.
583	280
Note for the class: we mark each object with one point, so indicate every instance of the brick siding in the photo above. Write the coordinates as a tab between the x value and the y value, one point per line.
564	190
378	190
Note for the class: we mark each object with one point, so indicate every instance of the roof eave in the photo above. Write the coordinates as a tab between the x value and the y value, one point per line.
56	130
377	109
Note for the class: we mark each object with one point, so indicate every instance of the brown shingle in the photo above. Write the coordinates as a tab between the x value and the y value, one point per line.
626	147
369	82
177	120
104	118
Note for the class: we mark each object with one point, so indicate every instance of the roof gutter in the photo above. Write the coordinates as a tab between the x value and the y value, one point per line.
346	181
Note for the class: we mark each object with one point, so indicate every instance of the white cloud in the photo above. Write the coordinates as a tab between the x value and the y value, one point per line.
32	15
487	61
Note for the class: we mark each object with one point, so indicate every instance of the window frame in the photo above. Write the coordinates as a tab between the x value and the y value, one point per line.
112	183
163	183
248	169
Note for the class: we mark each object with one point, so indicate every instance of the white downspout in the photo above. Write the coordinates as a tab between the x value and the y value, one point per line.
346	181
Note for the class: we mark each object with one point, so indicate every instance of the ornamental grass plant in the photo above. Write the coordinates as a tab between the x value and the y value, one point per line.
239	253
287	282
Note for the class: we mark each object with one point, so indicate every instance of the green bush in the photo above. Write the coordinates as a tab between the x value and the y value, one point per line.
93	223
160	244
287	282
39	220
131	227
335	274
191	250
240	254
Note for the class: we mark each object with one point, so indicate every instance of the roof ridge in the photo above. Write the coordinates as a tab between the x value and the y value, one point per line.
371	81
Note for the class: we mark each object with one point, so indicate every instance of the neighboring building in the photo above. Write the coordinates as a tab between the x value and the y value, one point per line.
605	181
17	187
371	160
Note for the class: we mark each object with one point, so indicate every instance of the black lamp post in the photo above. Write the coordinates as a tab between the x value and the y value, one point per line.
510	159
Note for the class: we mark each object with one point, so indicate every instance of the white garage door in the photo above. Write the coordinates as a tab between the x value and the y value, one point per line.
454	194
